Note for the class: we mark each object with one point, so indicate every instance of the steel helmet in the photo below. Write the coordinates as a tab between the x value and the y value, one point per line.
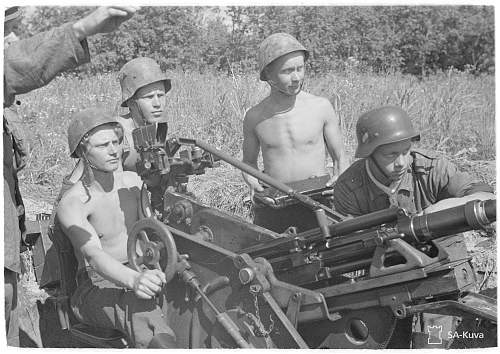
275	46
138	73
83	122
12	13
381	126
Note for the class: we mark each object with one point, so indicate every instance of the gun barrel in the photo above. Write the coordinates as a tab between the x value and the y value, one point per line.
365	221
262	176
473	215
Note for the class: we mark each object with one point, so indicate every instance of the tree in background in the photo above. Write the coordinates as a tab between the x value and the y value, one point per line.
412	39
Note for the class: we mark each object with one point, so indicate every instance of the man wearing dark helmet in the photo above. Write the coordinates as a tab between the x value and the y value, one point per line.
392	173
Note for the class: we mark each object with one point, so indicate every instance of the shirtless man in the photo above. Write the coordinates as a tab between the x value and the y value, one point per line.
143	87
97	213
293	129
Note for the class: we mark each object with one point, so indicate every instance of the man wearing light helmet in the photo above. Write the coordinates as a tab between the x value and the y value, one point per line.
144	87
97	214
293	129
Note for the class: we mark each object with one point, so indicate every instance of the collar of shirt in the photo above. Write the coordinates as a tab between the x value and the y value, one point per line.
406	183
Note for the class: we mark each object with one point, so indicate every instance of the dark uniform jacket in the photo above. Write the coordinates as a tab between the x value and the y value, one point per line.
427	181
29	64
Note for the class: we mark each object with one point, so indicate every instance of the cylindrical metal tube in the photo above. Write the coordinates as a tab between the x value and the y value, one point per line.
472	215
365	221
282	187
226	322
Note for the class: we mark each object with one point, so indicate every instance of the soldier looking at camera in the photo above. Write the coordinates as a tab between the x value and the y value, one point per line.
292	128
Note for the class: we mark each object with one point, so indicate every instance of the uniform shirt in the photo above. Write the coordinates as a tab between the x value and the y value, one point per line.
427	181
29	64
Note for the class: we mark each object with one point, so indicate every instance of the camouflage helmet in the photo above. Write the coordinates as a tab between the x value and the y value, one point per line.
138	73
83	122
12	13
275	46
381	126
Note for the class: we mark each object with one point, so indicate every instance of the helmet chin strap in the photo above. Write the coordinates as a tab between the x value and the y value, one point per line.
139	110
91	165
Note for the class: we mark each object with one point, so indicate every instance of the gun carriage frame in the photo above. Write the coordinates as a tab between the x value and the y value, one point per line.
349	283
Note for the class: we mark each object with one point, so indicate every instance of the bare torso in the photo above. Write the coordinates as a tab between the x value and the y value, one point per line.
291	139
111	214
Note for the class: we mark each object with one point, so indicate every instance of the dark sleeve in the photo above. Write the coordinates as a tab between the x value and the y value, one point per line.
33	62
449	182
344	200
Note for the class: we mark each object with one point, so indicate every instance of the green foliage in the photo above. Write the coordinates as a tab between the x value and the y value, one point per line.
412	39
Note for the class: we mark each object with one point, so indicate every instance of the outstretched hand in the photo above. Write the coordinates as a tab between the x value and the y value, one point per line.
103	20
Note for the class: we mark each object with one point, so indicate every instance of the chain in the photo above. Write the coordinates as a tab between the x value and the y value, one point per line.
384	344
28	263
254	290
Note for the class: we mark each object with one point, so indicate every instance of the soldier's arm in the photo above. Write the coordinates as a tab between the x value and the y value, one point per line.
332	133
251	149
33	62
73	217
454	187
344	200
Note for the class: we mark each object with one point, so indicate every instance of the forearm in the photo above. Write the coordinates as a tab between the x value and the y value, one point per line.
33	62
342	163
340	160
111	269
453	202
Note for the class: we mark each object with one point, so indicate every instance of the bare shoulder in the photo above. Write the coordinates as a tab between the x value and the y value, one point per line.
256	111
255	114
319	101
73	200
320	106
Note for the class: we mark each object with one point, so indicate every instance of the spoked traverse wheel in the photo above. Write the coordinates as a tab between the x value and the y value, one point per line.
151	245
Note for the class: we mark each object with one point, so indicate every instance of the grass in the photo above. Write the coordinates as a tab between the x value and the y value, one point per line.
454	111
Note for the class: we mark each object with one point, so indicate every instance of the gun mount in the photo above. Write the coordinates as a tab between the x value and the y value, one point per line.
347	284
158	164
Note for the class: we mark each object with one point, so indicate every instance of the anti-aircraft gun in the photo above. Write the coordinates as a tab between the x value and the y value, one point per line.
349	283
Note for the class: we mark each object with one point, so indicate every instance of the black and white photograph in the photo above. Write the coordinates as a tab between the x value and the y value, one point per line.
249	175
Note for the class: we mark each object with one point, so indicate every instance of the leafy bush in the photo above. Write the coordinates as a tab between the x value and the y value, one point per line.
412	39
